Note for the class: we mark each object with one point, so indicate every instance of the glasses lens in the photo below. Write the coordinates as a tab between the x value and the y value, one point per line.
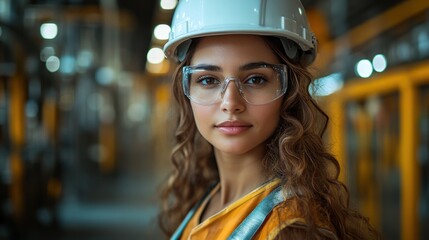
257	85
202	86
264	84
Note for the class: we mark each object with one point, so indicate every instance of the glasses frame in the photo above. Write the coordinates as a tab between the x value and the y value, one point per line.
281	69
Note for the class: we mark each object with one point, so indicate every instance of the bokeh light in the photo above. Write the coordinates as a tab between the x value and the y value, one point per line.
53	64
364	68
379	63
162	31
48	30
168	4
155	55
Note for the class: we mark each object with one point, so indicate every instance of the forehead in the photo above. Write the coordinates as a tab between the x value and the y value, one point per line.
232	50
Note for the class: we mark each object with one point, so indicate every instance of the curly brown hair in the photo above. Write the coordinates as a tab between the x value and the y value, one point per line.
295	154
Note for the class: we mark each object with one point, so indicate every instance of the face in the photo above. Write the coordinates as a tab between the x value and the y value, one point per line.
232	125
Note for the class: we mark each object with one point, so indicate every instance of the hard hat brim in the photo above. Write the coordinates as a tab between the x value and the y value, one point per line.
170	48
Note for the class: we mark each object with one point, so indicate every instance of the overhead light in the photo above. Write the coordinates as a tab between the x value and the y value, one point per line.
364	68
155	55
162	31
379	63
53	64
46	53
49	30
168	4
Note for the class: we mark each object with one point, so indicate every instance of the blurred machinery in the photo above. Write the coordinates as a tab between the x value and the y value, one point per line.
375	91
72	101
30	170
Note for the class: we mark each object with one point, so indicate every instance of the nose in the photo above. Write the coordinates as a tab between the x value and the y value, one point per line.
232	101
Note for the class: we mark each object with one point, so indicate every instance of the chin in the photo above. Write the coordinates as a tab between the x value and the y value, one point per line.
233	148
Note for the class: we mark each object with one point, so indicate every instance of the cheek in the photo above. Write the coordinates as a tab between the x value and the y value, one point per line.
268	116
202	116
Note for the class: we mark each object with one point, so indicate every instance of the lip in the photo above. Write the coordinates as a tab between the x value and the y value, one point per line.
233	127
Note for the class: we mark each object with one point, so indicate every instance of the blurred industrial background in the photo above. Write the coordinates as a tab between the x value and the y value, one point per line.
84	110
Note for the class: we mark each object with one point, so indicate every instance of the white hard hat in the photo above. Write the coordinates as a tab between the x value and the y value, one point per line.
284	19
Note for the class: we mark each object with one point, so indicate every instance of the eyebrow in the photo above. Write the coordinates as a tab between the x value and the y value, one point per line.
208	67
253	65
216	68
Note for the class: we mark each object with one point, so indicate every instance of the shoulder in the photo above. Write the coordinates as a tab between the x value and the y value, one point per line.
287	221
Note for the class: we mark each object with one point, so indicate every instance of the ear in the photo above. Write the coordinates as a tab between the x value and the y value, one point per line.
182	50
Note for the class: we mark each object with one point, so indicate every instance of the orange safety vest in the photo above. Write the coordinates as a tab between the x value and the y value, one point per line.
235	217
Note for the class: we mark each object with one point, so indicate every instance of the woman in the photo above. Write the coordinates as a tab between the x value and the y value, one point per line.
249	158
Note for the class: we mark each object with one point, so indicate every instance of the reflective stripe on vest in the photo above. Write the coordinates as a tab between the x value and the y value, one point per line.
250	225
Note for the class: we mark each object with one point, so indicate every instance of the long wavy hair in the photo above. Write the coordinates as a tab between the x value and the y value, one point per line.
295	154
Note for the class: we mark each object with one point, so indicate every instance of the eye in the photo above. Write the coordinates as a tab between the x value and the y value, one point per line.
256	80
208	81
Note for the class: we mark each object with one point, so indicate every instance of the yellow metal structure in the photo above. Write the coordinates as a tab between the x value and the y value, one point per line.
370	29
406	81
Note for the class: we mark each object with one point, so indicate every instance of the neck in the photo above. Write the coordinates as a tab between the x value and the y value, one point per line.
239	175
